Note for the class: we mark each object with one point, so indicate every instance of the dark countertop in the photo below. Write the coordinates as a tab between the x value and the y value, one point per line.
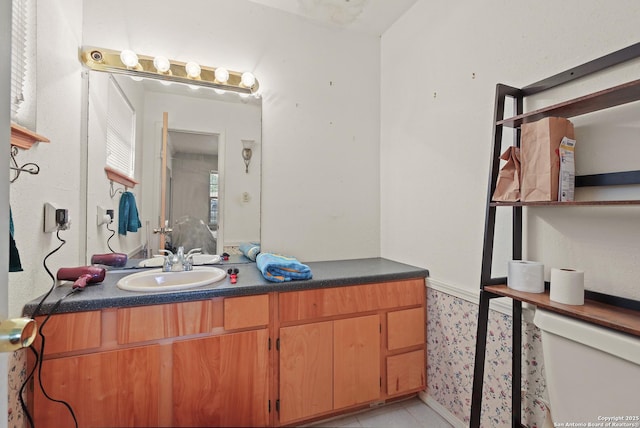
250	281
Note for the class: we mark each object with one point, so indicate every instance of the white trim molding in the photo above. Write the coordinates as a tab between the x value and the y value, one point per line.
440	409
502	305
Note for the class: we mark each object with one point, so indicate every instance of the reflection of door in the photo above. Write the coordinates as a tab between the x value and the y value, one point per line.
189	206
163	180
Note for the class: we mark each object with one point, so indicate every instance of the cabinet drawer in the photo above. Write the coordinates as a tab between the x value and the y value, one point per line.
154	322
406	372
71	332
326	302
405	328
246	311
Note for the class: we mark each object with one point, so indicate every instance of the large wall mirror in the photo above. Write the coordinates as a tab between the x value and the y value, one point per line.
194	173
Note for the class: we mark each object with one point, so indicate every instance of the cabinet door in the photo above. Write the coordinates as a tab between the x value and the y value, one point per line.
356	357
406	372
222	380
116	388
306	363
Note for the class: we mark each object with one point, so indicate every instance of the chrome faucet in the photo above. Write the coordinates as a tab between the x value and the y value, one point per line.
188	259
178	262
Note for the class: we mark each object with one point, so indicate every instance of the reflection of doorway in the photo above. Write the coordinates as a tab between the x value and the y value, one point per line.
191	158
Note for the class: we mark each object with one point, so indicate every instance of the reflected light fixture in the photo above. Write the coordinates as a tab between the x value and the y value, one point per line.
163	69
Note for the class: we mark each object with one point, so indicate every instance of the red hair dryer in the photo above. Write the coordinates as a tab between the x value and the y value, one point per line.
109	259
82	275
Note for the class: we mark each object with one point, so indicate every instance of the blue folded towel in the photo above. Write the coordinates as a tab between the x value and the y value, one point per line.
128	220
279	268
250	250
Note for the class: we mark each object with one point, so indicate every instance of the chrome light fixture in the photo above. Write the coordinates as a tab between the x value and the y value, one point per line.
159	67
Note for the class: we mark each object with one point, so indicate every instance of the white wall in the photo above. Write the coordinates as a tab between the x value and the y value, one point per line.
59	182
320	193
436	136
99	190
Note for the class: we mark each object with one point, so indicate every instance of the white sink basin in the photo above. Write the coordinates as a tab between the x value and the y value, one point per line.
156	280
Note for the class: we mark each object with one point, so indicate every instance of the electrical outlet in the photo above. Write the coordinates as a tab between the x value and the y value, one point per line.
55	218
104	216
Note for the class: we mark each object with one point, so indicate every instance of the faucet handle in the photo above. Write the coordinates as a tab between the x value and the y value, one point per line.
188	259
166	267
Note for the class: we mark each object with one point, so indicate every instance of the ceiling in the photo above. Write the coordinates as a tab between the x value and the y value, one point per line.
366	16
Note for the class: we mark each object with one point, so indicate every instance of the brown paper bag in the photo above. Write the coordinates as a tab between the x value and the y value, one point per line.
539	157
508	185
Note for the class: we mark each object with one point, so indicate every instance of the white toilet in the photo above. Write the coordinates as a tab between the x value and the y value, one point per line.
592	373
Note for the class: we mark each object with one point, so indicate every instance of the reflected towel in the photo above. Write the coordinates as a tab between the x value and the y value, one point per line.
279	268
128	220
250	250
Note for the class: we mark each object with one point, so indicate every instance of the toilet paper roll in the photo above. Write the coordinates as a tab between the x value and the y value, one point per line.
523	275
567	286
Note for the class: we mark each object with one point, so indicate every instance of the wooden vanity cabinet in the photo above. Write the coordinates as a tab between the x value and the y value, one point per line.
345	347
405	361
273	359
328	365
221	380
114	388
178	364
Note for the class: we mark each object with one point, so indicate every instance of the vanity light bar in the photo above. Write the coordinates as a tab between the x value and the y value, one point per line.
109	60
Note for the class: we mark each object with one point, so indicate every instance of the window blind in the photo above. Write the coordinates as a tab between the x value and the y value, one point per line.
18	54
121	131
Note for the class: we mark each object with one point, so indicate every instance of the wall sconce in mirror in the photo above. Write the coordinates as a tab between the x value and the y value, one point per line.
160	67
17	333
247	152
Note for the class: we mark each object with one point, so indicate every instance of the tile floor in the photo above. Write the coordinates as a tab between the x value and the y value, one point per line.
408	413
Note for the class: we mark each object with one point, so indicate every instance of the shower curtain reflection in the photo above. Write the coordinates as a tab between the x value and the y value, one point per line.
192	177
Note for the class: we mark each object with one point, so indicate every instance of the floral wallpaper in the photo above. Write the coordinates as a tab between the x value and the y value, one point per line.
451	333
17	375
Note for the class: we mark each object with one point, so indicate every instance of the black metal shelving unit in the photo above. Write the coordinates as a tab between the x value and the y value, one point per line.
618	95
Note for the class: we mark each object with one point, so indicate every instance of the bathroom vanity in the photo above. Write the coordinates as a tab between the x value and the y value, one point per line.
250	354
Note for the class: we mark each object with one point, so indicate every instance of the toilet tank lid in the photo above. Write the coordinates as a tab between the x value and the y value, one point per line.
619	344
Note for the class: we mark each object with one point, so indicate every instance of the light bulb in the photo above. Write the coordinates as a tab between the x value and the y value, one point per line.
161	64
192	69
222	75
248	79
129	58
